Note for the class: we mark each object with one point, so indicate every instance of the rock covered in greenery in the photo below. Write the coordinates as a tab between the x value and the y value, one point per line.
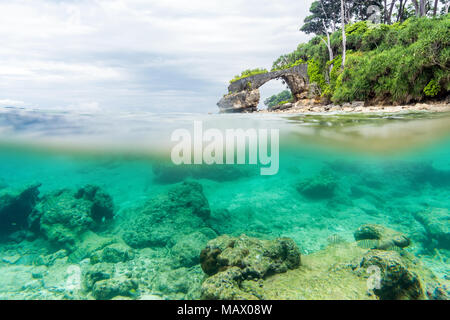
15	208
281	98
64	215
321	186
167	217
229	261
385	238
436	223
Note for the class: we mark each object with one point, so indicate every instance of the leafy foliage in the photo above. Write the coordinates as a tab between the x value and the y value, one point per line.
248	73
281	98
397	63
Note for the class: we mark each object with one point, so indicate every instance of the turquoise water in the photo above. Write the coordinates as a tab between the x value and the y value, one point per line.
336	173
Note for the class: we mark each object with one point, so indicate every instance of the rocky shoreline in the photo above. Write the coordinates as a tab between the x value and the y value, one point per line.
310	106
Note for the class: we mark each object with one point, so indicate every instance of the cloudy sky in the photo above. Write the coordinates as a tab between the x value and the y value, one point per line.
154	55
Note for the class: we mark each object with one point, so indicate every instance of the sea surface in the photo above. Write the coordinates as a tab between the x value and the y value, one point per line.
336	173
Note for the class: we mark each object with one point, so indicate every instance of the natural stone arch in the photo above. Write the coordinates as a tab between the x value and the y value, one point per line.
243	95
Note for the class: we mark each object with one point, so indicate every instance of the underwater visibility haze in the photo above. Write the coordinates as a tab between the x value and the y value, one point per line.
135	166
91	207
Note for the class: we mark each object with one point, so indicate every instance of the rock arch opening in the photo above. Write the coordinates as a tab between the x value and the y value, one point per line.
244	95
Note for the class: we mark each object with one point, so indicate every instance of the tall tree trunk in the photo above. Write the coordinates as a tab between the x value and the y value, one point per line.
391	10
344	36
435	7
328	43
385	12
400	12
416	7
423	5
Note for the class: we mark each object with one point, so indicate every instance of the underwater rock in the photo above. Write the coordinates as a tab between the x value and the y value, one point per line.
111	288
15	207
232	260
385	238
436	223
396	280
180	283
169	173
113	254
64	215
165	218
97	272
319	187
225	286
256	258
187	250
51	259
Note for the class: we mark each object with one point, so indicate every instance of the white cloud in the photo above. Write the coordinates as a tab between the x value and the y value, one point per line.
11	103
123	53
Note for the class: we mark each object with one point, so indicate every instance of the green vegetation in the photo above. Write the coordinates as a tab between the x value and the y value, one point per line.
288	65
398	63
248	73
278	99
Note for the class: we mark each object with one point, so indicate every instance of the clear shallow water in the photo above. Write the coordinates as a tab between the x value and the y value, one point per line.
384	169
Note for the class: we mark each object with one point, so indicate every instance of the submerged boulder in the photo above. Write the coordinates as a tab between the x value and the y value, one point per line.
64	215
396	281
374	236
229	261
163	220
436	223
15	208
319	187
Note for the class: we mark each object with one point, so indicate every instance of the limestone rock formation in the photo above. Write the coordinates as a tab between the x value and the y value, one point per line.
243	95
244	101
231	261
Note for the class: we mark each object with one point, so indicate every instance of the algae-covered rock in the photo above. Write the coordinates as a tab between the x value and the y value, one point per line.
436	223
113	253
117	287
384	238
322	186
167	217
187	250
256	258
180	283
15	208
231	261
396	280
97	272
64	215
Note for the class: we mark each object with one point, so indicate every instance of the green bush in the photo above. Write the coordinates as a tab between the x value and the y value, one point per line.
248	73
281	98
408	63
432	89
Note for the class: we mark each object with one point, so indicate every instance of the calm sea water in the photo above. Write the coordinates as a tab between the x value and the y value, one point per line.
384	169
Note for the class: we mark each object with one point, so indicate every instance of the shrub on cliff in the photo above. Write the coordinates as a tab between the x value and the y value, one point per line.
248	73
397	63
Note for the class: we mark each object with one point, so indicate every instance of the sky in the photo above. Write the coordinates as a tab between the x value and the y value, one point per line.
139	55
